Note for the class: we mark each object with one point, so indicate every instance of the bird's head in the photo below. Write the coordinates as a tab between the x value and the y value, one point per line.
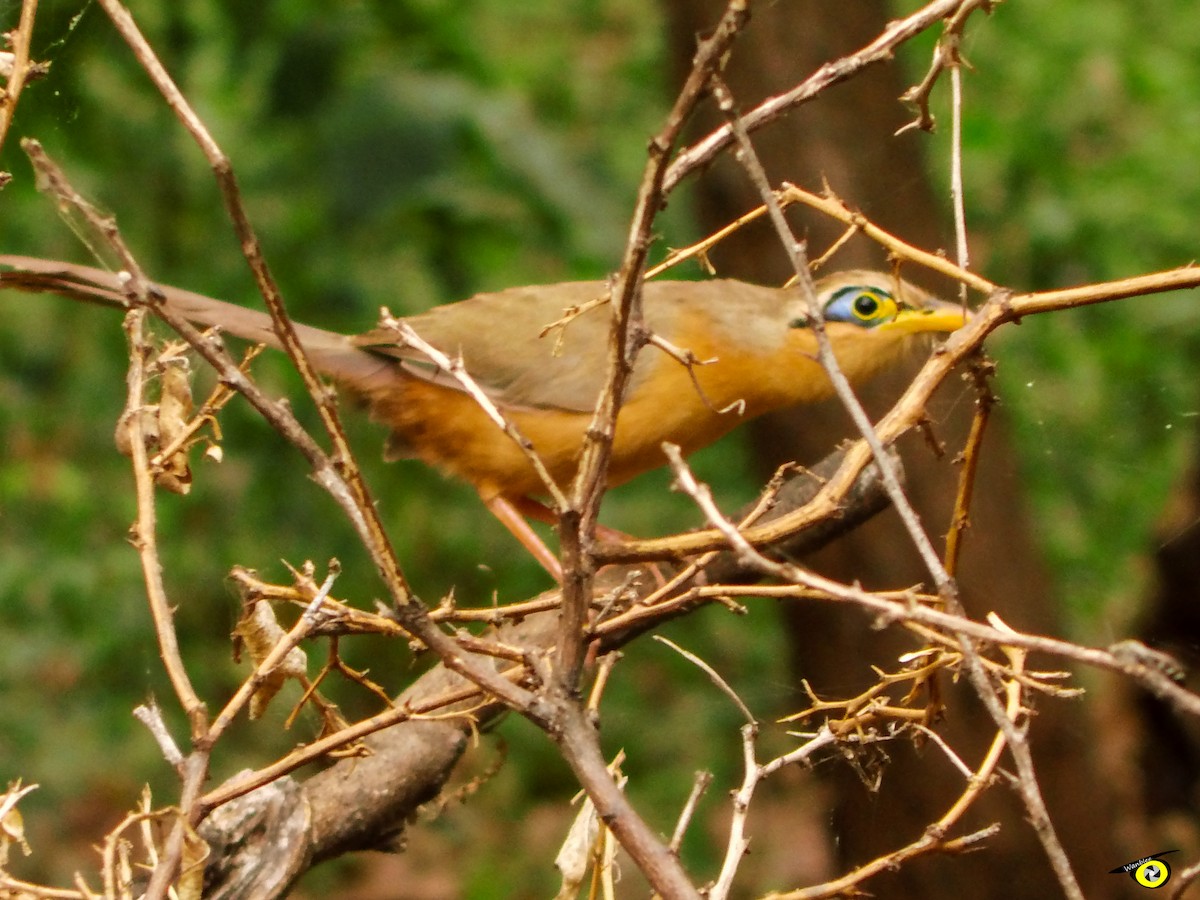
873	317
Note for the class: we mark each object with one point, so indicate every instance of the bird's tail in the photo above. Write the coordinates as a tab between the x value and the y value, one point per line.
331	353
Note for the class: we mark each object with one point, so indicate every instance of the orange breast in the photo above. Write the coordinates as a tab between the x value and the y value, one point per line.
447	429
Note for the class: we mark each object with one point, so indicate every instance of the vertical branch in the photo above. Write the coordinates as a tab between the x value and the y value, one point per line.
580	747
20	71
626	338
984	401
144	528
575	734
966	482
962	253
381	549
845	393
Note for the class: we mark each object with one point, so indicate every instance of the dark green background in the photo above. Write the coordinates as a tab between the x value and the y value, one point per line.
411	154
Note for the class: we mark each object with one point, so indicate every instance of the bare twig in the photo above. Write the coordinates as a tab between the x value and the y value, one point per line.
1027	784
833	206
980	372
576	737
150	715
961	250
713	675
700	784
455	368
752	775
748	157
18	69
946	55
625	342
879	50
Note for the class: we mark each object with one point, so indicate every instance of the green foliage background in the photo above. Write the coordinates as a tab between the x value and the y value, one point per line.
1080	139
407	154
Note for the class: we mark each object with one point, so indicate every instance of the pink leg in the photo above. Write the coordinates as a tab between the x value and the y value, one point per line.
526	506
512	519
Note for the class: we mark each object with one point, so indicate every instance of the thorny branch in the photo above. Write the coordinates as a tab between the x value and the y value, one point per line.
946	55
577	737
879	50
341	471
17	68
500	671
947	588
626	337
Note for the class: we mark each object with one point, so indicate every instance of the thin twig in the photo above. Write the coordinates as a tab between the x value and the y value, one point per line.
980	372
752	775
713	675
624	343
407	336
248	781
835	207
150	715
946	55
576	738
700	784
1027	783
961	250
881	49
19	71
749	160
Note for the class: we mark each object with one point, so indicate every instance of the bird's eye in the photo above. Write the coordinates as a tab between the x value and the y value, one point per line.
860	305
866	305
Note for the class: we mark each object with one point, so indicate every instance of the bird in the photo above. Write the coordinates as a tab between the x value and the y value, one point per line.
755	347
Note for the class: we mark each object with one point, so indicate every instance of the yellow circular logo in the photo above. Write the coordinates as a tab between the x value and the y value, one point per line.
1153	873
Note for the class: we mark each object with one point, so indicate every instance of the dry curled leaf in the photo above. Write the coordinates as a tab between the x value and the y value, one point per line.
163	423
190	884
259	632
174	411
12	825
588	844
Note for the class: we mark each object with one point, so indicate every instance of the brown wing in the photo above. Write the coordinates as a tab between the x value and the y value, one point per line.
497	336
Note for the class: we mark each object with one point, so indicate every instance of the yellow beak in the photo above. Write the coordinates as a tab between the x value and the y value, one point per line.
935	315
